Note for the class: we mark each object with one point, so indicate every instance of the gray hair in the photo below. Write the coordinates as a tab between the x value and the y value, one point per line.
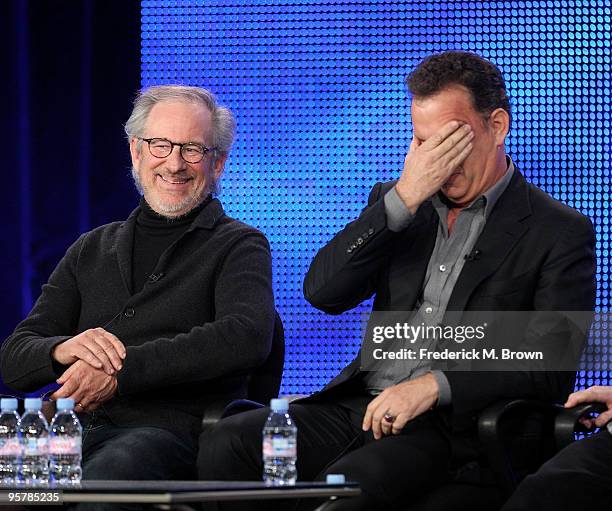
224	125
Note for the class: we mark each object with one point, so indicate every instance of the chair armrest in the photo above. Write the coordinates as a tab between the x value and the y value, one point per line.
494	439
218	410
489	420
239	406
294	397
213	413
568	423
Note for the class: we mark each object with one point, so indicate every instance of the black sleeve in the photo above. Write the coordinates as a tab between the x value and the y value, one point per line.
26	354
344	272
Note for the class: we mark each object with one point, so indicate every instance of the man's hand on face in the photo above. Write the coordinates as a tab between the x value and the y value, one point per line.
400	403
88	386
593	394
99	348
429	164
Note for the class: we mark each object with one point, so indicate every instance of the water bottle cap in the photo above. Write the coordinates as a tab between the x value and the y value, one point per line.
8	403
335	479
65	403
279	405
33	403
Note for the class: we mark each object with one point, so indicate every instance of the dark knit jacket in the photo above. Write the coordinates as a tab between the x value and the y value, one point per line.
201	323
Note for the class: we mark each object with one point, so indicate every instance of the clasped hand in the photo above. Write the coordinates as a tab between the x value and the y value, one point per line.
88	386
95	356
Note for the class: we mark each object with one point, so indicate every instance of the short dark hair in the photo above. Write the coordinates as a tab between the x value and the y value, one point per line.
480	77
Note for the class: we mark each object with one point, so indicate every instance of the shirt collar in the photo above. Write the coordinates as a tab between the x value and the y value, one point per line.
493	194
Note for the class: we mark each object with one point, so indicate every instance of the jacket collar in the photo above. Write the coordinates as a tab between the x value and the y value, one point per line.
209	216
504	228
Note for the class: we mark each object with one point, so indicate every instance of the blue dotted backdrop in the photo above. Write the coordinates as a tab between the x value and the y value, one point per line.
323	113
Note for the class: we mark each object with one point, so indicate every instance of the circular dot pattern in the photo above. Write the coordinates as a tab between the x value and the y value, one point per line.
318	90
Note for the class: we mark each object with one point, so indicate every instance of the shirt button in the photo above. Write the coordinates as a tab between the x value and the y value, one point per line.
428	310
442	267
129	312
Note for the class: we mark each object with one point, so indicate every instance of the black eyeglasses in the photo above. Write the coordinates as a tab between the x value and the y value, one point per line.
191	152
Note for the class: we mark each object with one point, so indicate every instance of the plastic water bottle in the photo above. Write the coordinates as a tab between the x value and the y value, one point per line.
10	448
279	445
65	437
34	433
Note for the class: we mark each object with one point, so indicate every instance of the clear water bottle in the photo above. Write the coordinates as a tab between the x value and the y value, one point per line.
65	438
10	448
279	445
34	435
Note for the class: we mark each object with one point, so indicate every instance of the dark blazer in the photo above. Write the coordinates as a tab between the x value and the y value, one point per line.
195	331
535	254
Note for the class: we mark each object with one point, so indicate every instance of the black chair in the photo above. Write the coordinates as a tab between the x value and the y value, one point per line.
516	438
568	426
567	423
264	383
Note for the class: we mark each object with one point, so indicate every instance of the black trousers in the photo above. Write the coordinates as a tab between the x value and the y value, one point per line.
392	471
134	453
578	478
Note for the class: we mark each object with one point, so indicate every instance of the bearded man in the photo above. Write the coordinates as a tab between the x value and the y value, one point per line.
146	321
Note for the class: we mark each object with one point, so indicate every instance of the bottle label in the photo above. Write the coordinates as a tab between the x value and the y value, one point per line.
65	445
279	447
10	447
35	447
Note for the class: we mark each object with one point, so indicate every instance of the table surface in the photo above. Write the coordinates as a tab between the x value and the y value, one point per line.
168	492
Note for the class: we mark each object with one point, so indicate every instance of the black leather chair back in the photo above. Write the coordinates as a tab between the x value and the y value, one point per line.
265	381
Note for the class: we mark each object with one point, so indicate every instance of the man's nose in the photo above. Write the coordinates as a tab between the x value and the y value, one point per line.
174	161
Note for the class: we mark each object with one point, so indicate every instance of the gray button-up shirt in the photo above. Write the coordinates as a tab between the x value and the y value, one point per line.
443	270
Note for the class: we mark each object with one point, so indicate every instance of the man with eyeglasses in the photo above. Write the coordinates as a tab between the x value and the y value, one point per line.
145	321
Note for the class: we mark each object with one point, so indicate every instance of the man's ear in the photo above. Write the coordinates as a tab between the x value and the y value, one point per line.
499	122
219	165
135	152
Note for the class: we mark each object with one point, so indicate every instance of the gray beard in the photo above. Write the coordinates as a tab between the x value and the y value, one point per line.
169	211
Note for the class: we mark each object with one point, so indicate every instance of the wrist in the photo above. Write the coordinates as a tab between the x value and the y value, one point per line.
434	388
56	354
407	198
